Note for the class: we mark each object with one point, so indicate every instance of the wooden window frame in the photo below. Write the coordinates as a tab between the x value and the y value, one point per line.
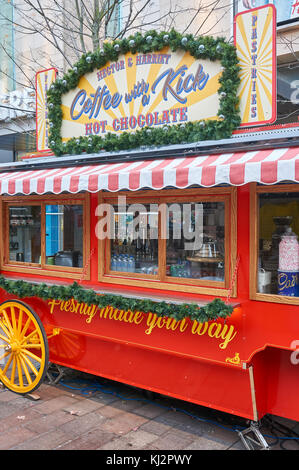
228	195
44	269
255	191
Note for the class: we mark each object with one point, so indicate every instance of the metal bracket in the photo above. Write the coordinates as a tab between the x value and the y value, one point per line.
55	332
55	373
257	441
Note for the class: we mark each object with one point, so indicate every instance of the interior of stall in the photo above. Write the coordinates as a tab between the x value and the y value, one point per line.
56	227
189	254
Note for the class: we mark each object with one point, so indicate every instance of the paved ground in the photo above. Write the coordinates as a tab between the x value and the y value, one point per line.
86	413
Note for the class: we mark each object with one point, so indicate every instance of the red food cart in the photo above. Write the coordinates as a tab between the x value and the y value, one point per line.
172	268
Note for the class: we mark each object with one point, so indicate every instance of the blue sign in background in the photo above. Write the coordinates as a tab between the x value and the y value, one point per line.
286	9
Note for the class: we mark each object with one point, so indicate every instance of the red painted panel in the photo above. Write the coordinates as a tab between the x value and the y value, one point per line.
205	364
276	378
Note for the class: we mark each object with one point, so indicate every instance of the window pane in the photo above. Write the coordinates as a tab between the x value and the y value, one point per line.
287	93
7	51
114	22
64	235
278	262
195	245
25	234
134	244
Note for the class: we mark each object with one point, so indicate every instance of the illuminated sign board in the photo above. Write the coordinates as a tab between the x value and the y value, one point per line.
142	90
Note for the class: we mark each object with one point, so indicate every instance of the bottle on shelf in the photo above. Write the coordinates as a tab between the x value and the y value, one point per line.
131	264
113	263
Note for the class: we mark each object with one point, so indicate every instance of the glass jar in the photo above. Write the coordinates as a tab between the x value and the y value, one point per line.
289	252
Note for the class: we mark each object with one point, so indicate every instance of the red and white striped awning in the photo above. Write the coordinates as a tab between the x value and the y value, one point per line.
263	166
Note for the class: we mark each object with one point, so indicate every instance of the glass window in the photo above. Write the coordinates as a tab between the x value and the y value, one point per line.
195	245
287	94
45	234
64	235
25	234
113	19
169	240
278	261
134	244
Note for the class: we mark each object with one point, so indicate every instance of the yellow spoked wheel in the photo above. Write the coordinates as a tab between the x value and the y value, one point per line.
24	351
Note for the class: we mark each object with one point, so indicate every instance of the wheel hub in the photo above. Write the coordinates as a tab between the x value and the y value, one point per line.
14	347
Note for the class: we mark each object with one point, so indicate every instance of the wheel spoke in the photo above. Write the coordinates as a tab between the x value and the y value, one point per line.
8	324
4	355
24	367
32	346
13	371
33	356
4	338
20	373
34	370
23	332
7	364
5	330
29	336
20	320
13	320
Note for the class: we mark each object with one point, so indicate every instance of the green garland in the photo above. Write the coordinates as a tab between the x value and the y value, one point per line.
22	289
203	47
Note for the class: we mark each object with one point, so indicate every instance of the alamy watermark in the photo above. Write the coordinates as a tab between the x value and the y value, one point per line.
152	221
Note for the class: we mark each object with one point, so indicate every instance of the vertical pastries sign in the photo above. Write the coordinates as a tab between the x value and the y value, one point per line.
43	80
255	41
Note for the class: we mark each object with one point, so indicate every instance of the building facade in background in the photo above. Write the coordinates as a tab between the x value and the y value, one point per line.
7	70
